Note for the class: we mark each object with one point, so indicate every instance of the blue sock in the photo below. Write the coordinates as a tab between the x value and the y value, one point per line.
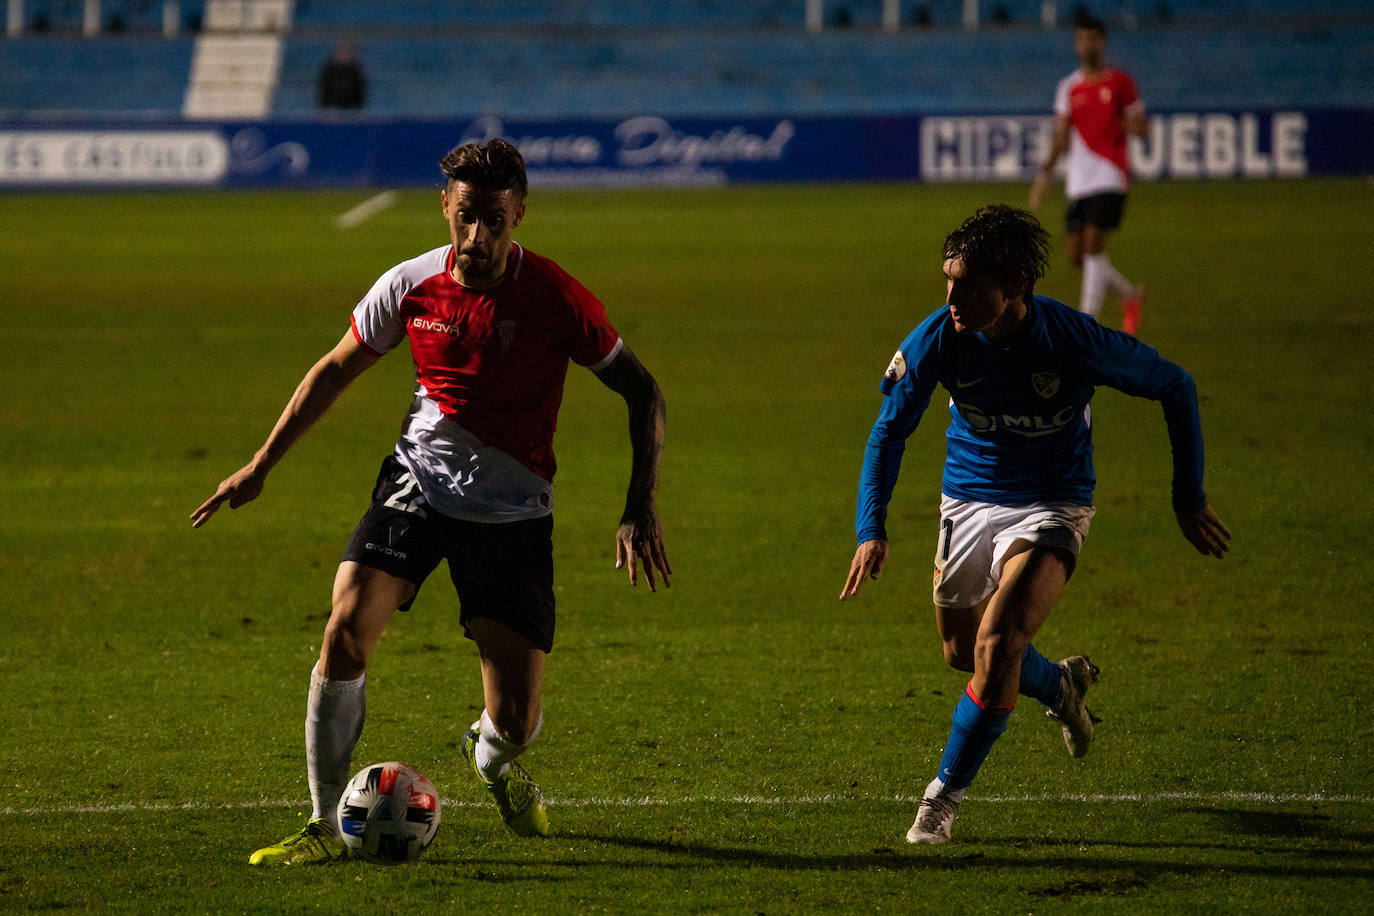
975	728
1039	676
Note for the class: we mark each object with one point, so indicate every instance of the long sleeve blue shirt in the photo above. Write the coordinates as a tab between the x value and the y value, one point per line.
1020	427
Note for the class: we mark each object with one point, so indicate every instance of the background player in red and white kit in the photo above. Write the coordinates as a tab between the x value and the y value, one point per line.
1096	107
491	327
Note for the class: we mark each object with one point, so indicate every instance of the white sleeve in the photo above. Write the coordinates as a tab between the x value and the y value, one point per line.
1061	96
377	318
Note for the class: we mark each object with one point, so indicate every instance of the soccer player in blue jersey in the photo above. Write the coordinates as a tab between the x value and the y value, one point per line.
1020	370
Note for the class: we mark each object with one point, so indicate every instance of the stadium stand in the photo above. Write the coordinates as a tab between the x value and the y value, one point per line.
533	14
53	76
735	14
115	16
829	74
597	58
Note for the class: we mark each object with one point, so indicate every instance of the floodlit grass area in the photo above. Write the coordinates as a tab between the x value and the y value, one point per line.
742	742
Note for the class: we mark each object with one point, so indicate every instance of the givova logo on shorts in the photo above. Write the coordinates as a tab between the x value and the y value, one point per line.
387	551
395	532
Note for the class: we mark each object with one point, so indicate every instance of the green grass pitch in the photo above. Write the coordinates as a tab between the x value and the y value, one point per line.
742	742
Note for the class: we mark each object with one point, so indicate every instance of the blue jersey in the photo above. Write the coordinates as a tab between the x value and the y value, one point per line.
1020	428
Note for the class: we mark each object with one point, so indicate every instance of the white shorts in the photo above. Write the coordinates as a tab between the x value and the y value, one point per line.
974	539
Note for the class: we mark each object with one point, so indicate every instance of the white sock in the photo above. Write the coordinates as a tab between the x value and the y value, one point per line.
334	716
1115	281
494	752
1106	277
1095	281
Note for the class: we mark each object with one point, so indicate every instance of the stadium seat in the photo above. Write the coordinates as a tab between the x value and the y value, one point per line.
587	58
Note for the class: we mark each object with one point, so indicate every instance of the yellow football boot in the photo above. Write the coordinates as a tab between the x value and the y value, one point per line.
313	843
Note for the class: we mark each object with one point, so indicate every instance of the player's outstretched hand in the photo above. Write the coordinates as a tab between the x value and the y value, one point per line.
869	560
244	485
640	540
1205	532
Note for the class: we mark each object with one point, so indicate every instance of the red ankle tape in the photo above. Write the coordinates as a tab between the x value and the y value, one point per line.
981	705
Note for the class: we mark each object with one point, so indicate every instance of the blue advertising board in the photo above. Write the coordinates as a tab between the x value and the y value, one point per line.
654	150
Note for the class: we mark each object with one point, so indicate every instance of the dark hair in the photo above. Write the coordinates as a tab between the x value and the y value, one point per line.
1004	244
1082	19
492	166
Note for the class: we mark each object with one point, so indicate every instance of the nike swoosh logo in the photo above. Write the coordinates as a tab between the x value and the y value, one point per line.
960	383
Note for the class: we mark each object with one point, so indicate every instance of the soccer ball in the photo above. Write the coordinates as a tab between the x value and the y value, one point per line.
389	813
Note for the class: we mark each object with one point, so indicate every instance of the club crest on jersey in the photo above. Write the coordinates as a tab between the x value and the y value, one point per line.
897	368
1046	384
505	332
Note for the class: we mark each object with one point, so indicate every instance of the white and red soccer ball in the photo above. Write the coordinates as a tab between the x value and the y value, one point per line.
389	813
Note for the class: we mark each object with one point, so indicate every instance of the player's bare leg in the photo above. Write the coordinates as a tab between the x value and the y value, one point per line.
1032	580
512	681
958	629
512	678
1094	240
1073	248
363	602
1060	686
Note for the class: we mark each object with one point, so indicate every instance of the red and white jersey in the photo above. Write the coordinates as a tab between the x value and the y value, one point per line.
1096	107
489	367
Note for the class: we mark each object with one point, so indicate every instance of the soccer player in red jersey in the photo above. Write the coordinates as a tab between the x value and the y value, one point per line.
491	327
1096	107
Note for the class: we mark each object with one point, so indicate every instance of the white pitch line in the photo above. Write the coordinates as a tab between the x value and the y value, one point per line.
650	802
1132	798
365	210
1269	797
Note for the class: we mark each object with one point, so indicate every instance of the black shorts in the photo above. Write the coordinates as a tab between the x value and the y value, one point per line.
503	572
1100	210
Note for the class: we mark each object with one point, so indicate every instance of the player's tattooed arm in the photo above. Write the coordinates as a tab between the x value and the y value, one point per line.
639	538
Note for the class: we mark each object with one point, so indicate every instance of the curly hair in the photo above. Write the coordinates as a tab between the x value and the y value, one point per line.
1004	244
492	166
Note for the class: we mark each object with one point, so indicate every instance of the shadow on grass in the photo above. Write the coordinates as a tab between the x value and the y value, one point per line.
1293	863
1282	824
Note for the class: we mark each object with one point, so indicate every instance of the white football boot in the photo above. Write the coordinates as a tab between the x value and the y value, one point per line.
935	815
1076	675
